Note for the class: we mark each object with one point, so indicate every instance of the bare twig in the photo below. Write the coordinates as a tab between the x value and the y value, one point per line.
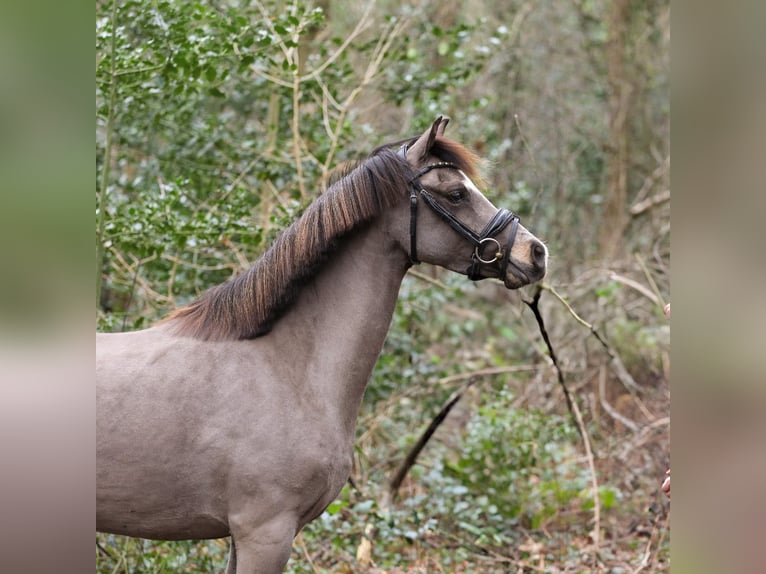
305	550
535	166
579	423
384	409
296	119
619	368
275	192
663	528
426	278
649	182
272	79
660	301
132	271
266	19
649	202
518	20
593	481
382	48
142	70
486	372
535	308
364	550
659	531
104	551
241	259
363	23
641	437
637	286
197	266
237	180
609	408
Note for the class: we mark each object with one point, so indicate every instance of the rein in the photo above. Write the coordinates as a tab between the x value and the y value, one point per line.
499	221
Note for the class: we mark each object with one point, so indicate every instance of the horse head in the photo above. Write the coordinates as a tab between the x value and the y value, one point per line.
450	223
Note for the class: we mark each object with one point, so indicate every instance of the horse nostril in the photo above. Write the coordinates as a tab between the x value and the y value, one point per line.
538	254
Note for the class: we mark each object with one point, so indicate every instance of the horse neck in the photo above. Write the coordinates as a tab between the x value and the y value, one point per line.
338	323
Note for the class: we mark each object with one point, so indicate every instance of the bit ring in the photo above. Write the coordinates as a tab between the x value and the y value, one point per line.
498	253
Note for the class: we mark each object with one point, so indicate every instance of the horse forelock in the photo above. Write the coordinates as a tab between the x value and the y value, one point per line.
247	306
453	152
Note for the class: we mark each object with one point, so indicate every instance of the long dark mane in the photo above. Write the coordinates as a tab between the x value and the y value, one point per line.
247	306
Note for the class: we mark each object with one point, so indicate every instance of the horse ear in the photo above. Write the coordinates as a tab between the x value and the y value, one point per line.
419	150
442	125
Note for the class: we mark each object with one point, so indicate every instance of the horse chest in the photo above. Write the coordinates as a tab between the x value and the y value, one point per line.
306	474
329	474
322	464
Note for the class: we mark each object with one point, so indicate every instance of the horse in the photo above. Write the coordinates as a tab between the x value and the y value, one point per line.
235	415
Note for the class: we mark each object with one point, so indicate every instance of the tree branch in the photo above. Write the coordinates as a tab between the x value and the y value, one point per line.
574	411
611	411
535	308
649	202
409	461
619	368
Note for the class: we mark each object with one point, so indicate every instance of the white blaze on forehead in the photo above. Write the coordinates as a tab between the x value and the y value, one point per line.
474	190
468	183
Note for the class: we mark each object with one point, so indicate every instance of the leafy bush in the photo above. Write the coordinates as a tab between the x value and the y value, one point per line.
218	122
518	465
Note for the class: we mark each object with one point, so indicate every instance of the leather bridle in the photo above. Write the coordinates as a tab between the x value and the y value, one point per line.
480	241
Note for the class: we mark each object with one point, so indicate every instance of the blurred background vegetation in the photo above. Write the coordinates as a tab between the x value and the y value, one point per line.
218	121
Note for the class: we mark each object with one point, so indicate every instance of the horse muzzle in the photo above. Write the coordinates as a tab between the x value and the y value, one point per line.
491	259
520	273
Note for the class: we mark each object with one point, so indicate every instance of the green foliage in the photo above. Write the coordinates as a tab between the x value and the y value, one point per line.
218	122
516	470
428	77
217	118
122	554
518	465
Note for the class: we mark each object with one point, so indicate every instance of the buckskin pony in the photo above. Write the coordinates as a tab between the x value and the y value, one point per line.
235	415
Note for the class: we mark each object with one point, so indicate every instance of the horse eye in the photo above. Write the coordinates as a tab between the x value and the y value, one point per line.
457	195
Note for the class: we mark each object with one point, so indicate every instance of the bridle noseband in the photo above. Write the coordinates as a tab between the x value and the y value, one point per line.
480	241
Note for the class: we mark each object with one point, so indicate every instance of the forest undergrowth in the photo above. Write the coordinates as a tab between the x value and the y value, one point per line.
218	122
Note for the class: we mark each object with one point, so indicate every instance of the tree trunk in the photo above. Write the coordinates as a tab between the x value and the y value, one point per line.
614	215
